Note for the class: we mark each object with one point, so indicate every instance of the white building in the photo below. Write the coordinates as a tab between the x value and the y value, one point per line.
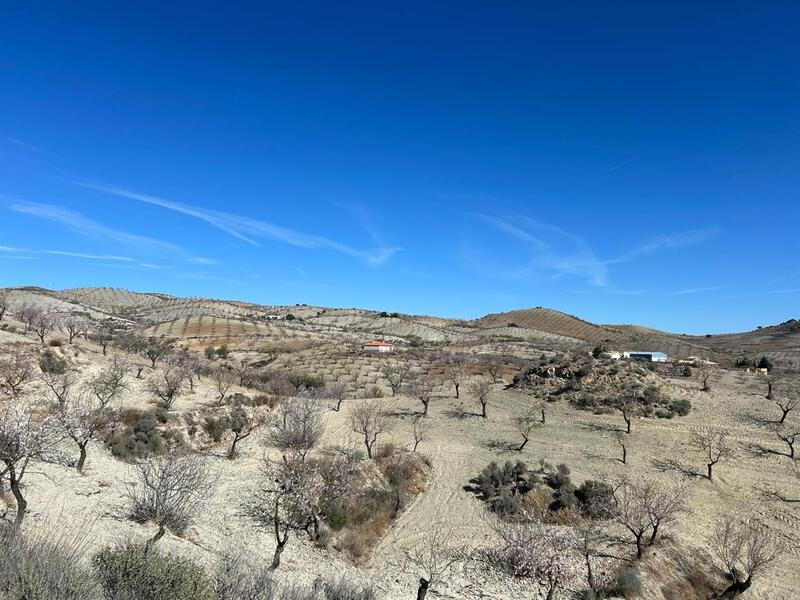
645	355
378	346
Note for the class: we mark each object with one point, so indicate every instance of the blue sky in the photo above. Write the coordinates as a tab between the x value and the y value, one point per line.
625	162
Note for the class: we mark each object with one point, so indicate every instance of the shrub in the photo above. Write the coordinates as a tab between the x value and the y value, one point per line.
133	572
139	440
343	590
681	407
223	351
49	362
55	343
687	371
290	317
210	352
596	499
216	427
627	583
43	567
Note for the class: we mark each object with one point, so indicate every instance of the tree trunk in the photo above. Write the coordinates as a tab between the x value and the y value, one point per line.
139	372
424	408
276	558
522	446
624	455
736	588
422	591
710	466
783	416
456	390
543	417
769	390
162	530
82	459
639	549
483	409
22	504
627	423
232	451
654	535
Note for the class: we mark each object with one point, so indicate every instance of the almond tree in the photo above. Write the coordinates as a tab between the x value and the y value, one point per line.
44	323
526	424
788	435
745	549
620	437
456	373
480	388
421	387
631	510
301	427
16	369
432	558
167	385
104	334
495	372
155	348
108	383
24	436
242	424
27	313
336	392
714	444
75	325
420	432
224	379
664	504
395	376
168	491
3	303
60	384
82	418
630	405
369	420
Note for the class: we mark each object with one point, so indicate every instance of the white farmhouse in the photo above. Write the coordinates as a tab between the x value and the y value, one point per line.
377	346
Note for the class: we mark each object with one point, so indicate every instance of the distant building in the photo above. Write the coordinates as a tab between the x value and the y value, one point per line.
273	317
377	346
646	356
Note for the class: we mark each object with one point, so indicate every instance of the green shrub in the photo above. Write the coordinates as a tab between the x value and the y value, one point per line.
290	317
49	362
132	572
596	499
627	583
43	567
223	351
216	427
210	352
681	407
140	440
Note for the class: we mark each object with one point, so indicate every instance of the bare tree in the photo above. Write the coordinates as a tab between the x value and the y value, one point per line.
480	389
745	549
704	375
631	510
301	427
16	368
103	334
281	500
420	432
59	384
422	387
395	376
108	383
24	436
432	558
713	443
156	348
242	424
82	418
336	392
620	437
788	435
224	379
27	313
456	373
630	405
167	384
369	420
526	424
664	504
75	325
168	490
3	303
495	372
44	323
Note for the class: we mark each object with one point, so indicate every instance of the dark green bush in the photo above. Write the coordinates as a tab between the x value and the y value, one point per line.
138	441
132	572
216	427
681	407
627	583
596	499
49	362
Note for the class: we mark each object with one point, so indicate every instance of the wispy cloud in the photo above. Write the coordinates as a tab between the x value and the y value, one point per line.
552	249
697	290
248	229
20	144
88	256
620	165
666	242
83	225
767	293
